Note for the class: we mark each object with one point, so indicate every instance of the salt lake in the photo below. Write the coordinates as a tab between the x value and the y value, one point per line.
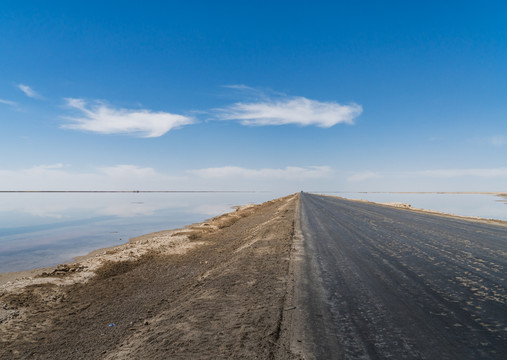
45	229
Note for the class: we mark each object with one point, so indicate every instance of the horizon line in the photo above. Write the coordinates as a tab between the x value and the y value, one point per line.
132	191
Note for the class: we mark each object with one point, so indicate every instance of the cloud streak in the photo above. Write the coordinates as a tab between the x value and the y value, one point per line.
29	91
290	110
451	173
365	175
63	177
289	172
132	177
7	102
498	140
483	173
103	119
126	171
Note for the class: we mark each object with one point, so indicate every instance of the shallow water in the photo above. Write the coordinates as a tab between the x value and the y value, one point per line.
480	205
45	229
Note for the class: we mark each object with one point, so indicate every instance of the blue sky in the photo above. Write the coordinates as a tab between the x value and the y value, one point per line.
282	96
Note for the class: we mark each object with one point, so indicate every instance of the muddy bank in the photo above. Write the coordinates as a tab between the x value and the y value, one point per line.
213	290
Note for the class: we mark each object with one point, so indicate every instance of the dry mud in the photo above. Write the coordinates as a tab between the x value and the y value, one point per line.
213	290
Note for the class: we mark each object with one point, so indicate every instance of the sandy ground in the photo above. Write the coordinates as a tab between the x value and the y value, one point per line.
218	289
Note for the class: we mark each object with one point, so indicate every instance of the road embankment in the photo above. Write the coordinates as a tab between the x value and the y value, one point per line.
212	290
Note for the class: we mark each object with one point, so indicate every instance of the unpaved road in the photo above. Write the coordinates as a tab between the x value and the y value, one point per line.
384	283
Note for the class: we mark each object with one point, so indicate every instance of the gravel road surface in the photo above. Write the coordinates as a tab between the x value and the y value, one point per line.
379	282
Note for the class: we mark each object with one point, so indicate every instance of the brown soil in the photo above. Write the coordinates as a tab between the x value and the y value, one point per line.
224	297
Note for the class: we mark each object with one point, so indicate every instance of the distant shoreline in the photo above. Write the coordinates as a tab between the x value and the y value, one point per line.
499	193
504	193
409	207
132	191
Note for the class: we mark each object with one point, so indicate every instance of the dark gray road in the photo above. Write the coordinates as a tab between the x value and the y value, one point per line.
380	282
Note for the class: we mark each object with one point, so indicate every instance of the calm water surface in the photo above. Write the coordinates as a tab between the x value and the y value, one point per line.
45	229
481	205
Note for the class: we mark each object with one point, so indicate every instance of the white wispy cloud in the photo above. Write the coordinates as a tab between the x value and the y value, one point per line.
124	171
239	87
280	109
7	102
365	175
103	119
134	177
498	140
289	172
29	91
484	173
450	173
64	177
244	92
48	167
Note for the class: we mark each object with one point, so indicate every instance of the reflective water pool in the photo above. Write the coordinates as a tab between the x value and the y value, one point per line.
45	229
482	205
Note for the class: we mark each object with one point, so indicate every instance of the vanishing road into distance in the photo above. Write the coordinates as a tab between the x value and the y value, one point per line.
380	282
